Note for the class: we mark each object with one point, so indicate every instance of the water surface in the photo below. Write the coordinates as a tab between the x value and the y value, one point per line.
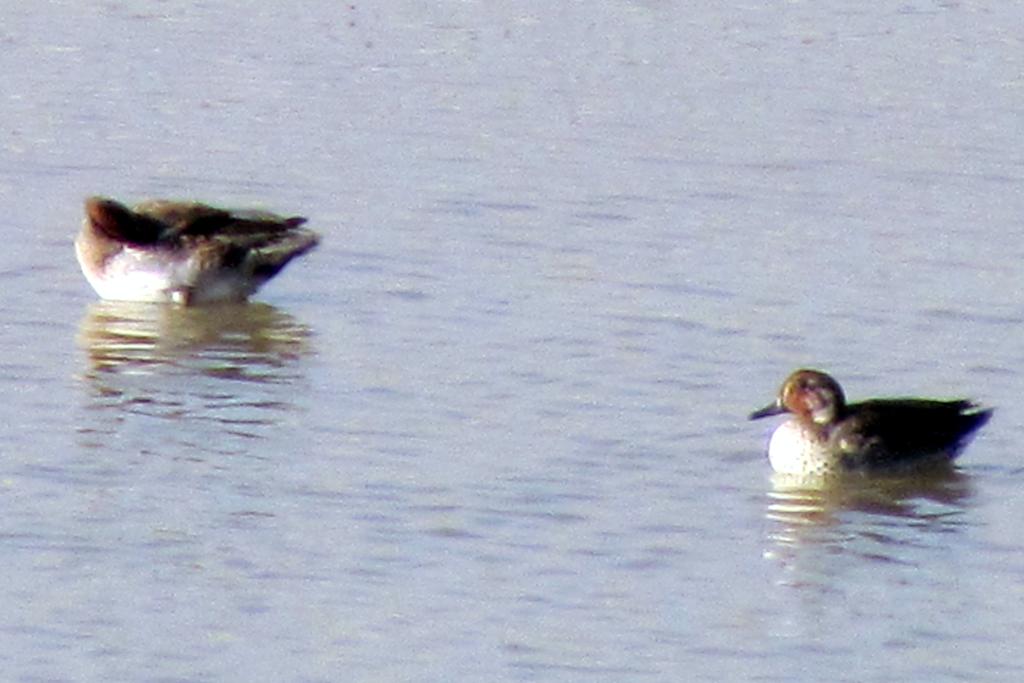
494	427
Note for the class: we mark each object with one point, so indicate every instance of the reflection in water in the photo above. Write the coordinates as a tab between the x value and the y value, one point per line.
800	501
242	341
831	543
841	513
229	368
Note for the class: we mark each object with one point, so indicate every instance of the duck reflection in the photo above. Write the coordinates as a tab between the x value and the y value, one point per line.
886	510
242	341
234	365
806	501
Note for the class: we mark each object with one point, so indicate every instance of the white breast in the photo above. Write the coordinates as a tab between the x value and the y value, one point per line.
795	450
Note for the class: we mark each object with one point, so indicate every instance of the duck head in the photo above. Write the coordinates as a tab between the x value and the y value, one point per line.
808	394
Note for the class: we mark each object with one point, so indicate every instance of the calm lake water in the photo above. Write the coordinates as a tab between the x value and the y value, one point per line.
494	428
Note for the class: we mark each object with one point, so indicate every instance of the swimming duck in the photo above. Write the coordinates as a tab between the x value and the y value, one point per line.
828	436
184	252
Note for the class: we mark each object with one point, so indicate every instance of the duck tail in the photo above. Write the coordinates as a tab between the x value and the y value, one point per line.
267	261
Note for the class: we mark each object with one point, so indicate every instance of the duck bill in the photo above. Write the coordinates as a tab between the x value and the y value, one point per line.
768	411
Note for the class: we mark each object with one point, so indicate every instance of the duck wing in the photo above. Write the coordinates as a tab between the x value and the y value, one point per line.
197	220
171	223
890	433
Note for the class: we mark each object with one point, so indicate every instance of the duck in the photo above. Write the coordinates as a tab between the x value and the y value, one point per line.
826	436
184	252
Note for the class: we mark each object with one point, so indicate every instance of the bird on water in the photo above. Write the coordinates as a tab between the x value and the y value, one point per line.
184	252
825	435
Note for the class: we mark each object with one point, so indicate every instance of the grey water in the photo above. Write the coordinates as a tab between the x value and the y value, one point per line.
494	428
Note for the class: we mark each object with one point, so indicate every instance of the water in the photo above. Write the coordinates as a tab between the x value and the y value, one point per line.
494	427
